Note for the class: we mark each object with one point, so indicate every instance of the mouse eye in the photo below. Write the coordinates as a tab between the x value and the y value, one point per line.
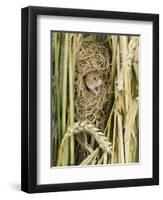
94	78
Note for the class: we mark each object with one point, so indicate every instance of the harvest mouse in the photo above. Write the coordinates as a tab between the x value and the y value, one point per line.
93	81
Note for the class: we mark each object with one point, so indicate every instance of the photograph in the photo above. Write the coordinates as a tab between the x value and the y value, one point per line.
90	99
94	99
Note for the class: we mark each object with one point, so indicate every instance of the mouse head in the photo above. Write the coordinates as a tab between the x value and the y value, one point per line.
93	81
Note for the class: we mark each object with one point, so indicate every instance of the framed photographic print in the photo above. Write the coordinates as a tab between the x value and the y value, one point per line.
90	99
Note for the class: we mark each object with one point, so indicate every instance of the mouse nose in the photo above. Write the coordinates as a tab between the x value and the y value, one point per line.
96	88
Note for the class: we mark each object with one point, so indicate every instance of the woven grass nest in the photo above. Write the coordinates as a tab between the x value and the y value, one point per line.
92	84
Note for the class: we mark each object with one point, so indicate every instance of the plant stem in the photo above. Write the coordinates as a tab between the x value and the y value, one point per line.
130	120
121	155
114	140
64	98
71	92
56	56
124	56
114	55
90	157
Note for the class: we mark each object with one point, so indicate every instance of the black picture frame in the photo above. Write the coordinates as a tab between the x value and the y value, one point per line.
29	99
